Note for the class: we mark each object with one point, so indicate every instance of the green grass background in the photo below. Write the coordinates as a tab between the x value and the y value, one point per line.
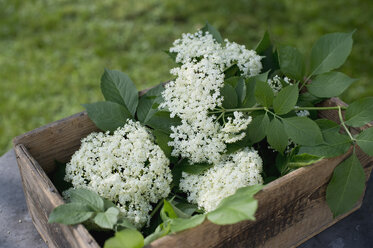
52	53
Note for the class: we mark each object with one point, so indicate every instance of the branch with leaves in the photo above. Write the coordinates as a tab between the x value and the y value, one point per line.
284	136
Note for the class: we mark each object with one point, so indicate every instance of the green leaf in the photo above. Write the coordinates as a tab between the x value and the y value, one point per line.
107	116
235	208
145	110
162	140
257	129
161	231
360	112
195	169
265	48
127	238
241	90
186	207
180	224
250	83
264	94
230	96
303	131
213	31
330	52
88	198
302	160
329	84
108	218
346	186
232	71
108	204
167	211
118	87
291	62
286	99
365	141
70	214
124	223
161	120
276	135
335	143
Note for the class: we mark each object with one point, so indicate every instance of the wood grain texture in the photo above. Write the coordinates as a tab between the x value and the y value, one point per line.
291	209
42	197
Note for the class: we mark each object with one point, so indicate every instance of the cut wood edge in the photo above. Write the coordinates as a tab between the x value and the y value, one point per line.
30	170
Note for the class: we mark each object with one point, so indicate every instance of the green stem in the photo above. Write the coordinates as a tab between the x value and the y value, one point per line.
264	108
160	203
344	125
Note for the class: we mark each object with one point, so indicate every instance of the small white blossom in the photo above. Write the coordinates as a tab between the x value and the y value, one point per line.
302	113
275	83
235	171
127	168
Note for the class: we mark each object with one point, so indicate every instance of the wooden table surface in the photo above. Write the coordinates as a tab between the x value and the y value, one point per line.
17	230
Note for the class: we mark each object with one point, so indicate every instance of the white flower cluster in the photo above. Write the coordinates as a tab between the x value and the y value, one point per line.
235	171
203	45
196	91
302	113
127	168
275	83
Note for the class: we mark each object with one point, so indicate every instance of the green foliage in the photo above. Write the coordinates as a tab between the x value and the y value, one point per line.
107	116
286	99
162	140
230	96
118	87
330	52
329	84
264	94
302	160
145	109
303	131
196	168
235	208
291	62
266	49
365	141
71	213
180	224
88	198
86	205
276	135
346	186
213	31
257	129
162	121
108	218
127	238
335	143
360	112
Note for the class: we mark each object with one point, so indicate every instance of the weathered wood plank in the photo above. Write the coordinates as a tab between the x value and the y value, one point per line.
42	197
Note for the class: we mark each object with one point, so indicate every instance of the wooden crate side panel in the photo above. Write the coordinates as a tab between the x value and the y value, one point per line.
279	209
56	141
41	198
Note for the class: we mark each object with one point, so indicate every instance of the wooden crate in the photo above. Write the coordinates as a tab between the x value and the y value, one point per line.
291	209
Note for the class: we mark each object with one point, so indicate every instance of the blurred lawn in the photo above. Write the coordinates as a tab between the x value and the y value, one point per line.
52	53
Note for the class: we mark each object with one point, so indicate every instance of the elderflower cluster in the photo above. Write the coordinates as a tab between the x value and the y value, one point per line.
276	84
235	171
203	45
127	168
196	91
